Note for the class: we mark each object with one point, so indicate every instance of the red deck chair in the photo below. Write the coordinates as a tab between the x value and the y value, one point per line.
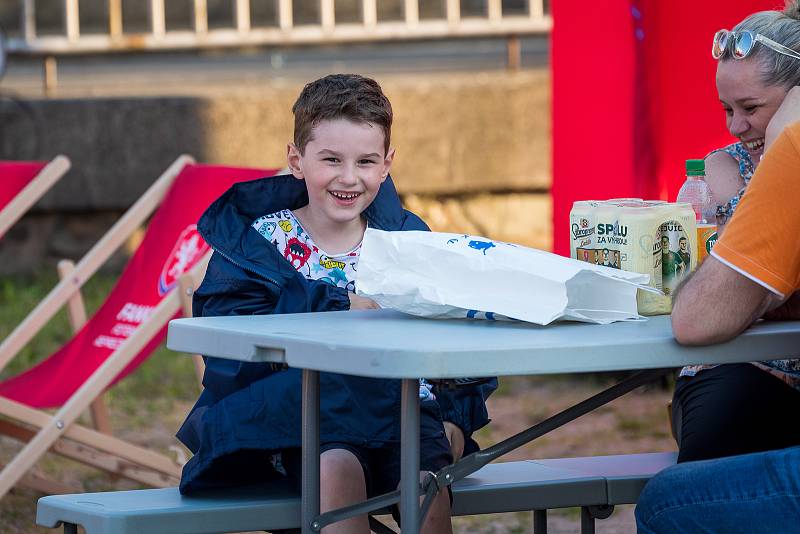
22	183
122	333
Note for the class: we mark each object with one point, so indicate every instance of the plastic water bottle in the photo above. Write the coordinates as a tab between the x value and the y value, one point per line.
695	191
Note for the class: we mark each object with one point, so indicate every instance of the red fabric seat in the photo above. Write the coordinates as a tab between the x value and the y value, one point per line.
15	176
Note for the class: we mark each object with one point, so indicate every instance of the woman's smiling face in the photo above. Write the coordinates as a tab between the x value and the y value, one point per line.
749	104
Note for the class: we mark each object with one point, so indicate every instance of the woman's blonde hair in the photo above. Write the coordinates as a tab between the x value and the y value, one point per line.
784	28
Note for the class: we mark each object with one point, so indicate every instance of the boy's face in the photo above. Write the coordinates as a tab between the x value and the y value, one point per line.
344	165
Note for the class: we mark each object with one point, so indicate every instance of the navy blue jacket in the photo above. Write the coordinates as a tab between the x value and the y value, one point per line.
248	409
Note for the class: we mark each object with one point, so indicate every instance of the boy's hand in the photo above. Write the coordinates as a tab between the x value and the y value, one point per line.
456	438
362	303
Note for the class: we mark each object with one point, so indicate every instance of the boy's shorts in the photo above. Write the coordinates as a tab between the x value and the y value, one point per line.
381	465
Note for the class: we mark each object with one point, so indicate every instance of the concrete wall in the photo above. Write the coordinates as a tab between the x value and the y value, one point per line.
472	153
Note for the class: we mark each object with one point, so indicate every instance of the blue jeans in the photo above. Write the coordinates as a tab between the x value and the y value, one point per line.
750	493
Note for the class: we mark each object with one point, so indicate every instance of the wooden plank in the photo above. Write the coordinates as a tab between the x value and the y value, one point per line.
72	20
453	8
92	457
50	75
412	12
200	12
76	310
47	486
369	13
495	11
187	283
536	9
242	15
25	199
76	313
102	442
513	53
327	15
158	21
28	24
115	18
285	15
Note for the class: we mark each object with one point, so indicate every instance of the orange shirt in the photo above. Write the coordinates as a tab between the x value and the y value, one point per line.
762	240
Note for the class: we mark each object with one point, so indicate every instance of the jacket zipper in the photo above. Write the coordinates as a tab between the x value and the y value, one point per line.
243	267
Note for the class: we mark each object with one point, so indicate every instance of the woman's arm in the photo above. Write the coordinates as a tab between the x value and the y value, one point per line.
722	176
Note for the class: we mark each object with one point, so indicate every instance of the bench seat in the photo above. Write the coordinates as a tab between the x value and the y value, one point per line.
500	487
625	474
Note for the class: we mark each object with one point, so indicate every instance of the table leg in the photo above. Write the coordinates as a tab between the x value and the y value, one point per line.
409	456
540	522
310	454
587	521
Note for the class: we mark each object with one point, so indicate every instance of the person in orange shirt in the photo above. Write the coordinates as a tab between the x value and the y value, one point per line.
758	82
753	272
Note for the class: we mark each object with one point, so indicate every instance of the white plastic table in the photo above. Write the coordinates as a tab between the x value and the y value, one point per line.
387	344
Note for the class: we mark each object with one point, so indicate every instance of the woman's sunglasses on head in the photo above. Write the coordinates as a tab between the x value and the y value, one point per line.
741	43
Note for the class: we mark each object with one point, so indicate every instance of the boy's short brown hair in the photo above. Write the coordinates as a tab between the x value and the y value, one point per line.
341	96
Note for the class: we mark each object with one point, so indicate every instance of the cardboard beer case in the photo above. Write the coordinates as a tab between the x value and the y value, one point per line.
648	237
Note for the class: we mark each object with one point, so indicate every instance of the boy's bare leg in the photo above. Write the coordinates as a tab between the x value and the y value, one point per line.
437	520
341	483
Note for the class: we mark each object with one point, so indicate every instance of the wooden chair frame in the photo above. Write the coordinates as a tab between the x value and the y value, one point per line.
59	432
25	199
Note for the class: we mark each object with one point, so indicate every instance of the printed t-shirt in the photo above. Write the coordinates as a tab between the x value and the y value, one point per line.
761	240
285	232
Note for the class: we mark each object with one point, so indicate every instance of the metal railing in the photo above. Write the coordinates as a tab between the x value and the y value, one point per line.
284	31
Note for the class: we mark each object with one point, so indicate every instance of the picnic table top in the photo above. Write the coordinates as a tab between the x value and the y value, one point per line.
389	344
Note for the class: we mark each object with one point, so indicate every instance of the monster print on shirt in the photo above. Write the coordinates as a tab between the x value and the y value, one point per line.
286	233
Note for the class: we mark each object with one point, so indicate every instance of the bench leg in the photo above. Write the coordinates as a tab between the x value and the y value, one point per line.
540	522
590	513
70	528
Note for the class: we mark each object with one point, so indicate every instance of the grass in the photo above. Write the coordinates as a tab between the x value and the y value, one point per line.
148	406
19	295
172	377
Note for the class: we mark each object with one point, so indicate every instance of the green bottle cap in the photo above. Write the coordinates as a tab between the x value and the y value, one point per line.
695	167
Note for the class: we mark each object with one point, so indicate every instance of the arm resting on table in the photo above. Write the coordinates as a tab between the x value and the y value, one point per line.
716	304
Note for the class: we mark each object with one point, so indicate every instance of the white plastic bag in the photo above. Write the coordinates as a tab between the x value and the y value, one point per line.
455	275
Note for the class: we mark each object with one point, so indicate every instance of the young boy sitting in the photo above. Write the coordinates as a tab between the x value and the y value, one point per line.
291	244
